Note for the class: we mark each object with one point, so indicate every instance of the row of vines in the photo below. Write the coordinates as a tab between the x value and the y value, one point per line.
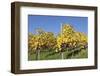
68	39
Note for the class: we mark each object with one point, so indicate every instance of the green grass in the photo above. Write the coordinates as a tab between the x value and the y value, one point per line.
51	55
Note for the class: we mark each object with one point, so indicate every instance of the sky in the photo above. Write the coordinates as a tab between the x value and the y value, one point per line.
53	23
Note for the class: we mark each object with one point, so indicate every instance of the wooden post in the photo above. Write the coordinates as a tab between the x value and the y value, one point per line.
62	55
38	54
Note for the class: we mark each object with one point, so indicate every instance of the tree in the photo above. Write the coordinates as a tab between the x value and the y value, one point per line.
65	38
69	38
41	40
